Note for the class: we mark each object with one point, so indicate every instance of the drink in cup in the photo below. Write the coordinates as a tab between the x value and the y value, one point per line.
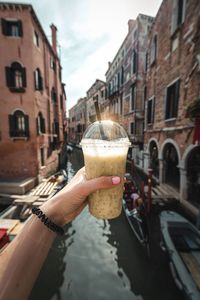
105	145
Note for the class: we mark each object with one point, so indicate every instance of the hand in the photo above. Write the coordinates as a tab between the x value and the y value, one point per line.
71	200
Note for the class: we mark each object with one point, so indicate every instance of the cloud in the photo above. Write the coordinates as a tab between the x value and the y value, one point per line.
90	33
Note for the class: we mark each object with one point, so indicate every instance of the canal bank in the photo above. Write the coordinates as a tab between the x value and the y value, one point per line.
99	259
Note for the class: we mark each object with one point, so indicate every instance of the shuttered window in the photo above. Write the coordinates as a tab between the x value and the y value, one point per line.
53	95
154	49
172	99
178	14
18	124
133	98
12	28
40	124
134	62
16	77
150	110
38	80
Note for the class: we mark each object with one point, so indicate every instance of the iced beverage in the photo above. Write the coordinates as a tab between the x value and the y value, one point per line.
106	157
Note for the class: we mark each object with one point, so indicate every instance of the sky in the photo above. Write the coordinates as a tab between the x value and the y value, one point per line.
90	32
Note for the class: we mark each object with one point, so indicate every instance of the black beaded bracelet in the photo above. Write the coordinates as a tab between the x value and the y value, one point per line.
44	219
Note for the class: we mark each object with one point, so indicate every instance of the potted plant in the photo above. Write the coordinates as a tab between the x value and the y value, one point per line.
193	109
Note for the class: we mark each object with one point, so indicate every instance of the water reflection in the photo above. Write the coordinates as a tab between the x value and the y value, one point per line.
100	260
147	278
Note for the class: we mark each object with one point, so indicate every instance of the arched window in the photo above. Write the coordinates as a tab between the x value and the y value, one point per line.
38	80
19	124
16	77
40	124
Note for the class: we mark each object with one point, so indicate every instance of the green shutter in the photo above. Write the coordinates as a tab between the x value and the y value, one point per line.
37	127
24	77
42	125
20	28
41	83
4	26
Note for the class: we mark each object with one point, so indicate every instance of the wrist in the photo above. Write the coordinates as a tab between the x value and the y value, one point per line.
51	210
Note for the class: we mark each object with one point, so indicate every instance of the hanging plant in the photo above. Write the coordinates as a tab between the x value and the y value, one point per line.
193	109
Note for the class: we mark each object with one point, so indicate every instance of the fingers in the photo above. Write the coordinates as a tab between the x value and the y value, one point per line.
103	182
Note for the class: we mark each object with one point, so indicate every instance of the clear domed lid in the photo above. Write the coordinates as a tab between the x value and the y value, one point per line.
105	131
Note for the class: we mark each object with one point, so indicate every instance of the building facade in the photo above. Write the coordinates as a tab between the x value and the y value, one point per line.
96	93
32	95
77	121
125	79
173	82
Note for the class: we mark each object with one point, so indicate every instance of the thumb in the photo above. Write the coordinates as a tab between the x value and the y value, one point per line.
103	182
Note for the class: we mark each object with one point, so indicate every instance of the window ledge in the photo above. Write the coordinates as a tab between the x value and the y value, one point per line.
17	90
170	120
23	138
13	36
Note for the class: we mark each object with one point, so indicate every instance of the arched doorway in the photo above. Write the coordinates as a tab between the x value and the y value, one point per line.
171	170
154	162
193	177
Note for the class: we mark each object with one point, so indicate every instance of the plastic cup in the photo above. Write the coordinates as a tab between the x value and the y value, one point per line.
105	146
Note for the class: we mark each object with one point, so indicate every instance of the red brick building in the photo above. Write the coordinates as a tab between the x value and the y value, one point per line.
173	81
125	79
32	95
77	121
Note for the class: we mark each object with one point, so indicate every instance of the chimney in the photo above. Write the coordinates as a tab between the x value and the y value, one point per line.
131	23
54	37
109	65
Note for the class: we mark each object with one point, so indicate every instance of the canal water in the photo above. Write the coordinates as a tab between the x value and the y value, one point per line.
101	260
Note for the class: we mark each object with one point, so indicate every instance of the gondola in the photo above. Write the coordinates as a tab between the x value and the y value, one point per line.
136	216
181	241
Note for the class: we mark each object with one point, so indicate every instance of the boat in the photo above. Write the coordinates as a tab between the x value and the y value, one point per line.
181	241
136	215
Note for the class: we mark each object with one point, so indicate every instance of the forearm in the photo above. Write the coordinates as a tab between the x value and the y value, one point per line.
22	260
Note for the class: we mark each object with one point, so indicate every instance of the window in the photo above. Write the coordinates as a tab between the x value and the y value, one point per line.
42	157
178	14
144	97
172	99
146	62
122	75
154	49
12	28
109	89
150	110
61	101
102	93
38	80
133	97
40	124
55	128
16	77
53	95
53	64
36	39
134	62
19	124
132	128
118	80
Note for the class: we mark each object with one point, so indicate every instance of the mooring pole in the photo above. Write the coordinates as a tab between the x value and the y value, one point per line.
149	194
